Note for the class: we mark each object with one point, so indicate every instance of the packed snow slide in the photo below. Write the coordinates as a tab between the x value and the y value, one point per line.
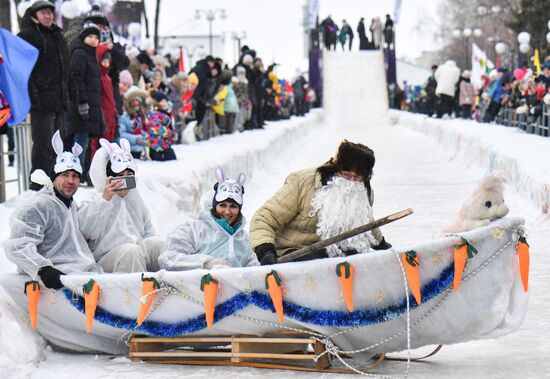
354	87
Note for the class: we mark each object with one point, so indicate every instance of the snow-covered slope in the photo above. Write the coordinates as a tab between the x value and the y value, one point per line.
354	87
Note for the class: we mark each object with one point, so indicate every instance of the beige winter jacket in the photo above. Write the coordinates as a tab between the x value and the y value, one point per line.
287	220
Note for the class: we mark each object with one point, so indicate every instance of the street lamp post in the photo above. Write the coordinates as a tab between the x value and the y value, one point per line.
210	15
238	36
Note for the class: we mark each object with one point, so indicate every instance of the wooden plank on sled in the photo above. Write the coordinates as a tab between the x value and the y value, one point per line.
276	347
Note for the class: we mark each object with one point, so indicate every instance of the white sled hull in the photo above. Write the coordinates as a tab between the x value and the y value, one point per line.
490	302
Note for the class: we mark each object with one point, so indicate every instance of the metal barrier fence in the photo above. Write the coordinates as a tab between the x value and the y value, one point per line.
525	121
22	152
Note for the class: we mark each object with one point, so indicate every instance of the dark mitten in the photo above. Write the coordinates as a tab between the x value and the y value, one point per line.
50	277
266	254
383	245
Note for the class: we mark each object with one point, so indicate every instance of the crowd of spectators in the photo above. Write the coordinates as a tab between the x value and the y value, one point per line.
88	86
450	93
382	35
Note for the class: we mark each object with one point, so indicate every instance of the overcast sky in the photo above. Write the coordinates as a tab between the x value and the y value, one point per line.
274	28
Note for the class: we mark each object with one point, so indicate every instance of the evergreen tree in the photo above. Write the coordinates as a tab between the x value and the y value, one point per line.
532	16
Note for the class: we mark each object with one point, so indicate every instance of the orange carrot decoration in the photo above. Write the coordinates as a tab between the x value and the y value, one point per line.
32	289
463	250
91	296
209	285
410	263
344	271
273	284
148	285
523	258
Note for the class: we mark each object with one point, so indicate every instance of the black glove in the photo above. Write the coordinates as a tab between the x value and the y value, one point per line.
383	245
266	254
84	111
50	277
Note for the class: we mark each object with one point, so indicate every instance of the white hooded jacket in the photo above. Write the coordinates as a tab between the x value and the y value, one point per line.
193	244
107	224
44	232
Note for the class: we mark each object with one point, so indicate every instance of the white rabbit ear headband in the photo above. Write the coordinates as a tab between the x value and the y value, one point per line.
228	188
65	160
120	156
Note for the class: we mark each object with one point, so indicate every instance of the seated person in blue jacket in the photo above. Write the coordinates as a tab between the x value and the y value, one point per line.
217	238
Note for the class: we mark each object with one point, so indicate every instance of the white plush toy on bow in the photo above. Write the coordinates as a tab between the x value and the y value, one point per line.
484	205
229	188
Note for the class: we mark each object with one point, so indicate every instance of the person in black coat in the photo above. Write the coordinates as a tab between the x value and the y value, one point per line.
119	60
202	70
363	39
85	118
49	81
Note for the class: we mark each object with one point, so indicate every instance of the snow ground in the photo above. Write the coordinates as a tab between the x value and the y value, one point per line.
431	175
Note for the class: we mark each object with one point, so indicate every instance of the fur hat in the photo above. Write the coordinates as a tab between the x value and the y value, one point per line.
96	16
228	189
355	157
89	28
41	4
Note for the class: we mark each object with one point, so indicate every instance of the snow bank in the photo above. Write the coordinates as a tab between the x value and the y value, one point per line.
523	157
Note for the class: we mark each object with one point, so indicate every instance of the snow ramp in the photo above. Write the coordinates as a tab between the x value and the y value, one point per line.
354	87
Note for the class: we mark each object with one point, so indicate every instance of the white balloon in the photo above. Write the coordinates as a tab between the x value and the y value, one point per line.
524	48
456	33
524	37
477	32
22	7
467	32
500	48
69	9
548	24
134	29
548	37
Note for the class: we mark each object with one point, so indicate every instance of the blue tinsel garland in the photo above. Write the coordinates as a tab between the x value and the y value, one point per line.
263	301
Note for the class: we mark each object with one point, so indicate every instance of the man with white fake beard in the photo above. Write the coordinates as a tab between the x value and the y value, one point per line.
319	203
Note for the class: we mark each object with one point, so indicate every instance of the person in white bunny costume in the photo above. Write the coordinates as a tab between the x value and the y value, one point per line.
217	239
116	223
45	241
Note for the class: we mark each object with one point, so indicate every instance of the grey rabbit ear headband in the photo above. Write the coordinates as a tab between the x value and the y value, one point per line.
229	188
66	160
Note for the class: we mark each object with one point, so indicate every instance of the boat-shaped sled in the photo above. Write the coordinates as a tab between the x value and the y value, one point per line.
491	300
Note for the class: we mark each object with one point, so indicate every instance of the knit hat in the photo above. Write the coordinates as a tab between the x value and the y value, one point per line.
355	157
144	58
158	96
228	189
125	77
96	16
41	4
89	28
193	78
65	160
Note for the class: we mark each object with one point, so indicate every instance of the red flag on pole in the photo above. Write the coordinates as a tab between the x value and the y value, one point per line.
181	67
497	62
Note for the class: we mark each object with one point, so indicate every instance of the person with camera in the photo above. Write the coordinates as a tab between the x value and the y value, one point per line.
116	222
216	239
319	203
44	238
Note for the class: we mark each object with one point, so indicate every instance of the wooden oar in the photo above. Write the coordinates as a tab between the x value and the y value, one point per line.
344	236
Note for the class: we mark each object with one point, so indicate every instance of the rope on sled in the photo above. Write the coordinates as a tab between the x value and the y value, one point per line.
331	348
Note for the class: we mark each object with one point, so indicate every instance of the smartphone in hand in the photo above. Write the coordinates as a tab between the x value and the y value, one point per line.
129	182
